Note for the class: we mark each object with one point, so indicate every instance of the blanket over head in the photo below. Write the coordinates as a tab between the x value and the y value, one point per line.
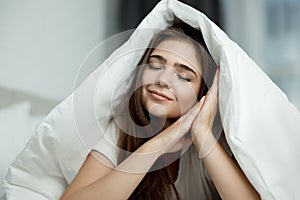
261	126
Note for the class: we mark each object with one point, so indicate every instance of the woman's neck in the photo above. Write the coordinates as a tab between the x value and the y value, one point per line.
163	123
160	124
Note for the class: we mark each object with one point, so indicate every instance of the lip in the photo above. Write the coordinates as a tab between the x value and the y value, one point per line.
159	95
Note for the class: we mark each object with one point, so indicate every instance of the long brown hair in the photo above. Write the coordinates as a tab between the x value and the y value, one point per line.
158	184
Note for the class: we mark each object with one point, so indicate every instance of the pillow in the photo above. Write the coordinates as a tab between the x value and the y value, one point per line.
50	159
261	125
33	121
14	135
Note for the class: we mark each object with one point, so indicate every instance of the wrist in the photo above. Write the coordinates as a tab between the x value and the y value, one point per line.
151	147
205	142
200	137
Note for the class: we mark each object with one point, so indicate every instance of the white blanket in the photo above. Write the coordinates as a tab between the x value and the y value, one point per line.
262	127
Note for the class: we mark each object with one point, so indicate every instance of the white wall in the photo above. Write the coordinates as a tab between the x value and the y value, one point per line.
43	43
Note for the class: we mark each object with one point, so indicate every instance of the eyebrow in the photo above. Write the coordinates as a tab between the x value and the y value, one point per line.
164	60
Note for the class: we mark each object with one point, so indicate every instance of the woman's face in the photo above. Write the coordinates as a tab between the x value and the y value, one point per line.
171	79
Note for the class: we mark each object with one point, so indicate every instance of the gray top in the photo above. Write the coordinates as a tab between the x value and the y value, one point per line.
193	181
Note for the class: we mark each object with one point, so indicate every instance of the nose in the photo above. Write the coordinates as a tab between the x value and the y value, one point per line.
164	78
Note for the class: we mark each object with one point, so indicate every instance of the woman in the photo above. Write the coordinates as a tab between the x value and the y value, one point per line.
164	118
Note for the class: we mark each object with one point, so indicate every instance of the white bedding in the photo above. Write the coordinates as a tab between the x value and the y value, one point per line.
262	127
16	127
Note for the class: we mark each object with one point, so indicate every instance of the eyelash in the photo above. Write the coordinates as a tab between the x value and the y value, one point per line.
152	67
183	78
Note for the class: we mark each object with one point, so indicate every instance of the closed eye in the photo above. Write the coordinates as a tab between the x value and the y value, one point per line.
154	66
183	78
182	67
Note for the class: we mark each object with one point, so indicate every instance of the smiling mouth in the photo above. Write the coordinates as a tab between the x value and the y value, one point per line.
159	96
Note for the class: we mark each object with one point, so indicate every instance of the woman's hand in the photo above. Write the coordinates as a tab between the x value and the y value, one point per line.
173	138
202	126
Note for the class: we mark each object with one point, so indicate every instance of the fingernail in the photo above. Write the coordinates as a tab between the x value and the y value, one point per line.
201	102
202	99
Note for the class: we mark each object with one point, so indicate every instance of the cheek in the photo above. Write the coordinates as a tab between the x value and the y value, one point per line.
143	95
186	96
148	77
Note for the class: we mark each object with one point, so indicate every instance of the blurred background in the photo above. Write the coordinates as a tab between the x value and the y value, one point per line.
44	43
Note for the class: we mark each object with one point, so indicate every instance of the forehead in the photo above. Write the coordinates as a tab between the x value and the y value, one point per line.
178	51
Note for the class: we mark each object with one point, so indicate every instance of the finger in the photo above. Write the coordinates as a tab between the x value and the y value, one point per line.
183	124
192	112
209	106
213	91
215	85
189	117
201	103
216	78
210	103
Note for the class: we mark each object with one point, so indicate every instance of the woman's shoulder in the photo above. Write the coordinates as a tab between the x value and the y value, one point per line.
107	144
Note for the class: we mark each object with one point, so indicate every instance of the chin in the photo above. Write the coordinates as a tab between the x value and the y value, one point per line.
162	111
158	112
